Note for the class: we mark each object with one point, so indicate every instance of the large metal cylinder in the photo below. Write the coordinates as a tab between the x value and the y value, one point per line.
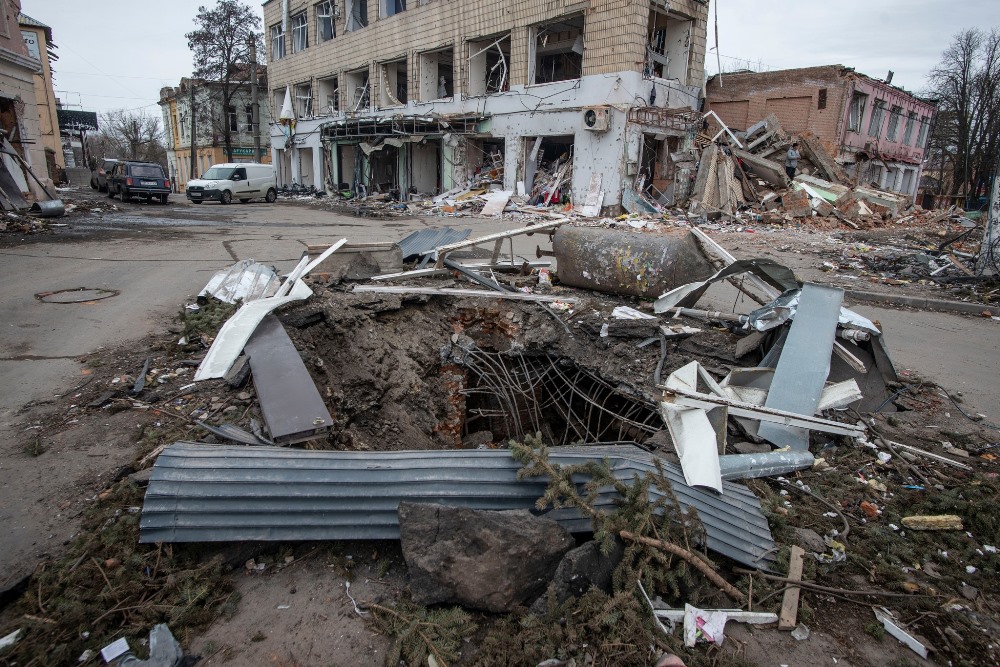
635	263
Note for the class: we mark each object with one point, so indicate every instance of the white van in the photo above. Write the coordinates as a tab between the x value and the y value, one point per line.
235	180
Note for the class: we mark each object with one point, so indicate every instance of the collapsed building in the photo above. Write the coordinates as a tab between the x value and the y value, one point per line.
876	131
539	99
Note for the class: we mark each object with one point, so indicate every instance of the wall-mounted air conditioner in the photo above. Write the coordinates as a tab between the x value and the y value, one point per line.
596	119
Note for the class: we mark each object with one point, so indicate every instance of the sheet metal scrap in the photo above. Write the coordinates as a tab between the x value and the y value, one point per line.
210	493
246	280
422	242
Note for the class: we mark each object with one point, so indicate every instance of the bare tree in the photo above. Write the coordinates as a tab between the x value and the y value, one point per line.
221	48
967	132
129	135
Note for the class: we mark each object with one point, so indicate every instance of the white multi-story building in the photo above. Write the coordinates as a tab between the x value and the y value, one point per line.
417	95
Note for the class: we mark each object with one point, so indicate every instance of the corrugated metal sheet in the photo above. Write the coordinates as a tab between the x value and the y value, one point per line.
246	280
425	240
209	493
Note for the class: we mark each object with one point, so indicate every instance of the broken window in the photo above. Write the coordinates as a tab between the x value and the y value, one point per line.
234	122
357	14
908	132
303	100
277	42
279	102
489	65
558	51
821	99
548	169
878	115
248	118
437	75
925	124
389	8
328	94
393	91
668	47
894	117
300	32
358	90
325	27
858	103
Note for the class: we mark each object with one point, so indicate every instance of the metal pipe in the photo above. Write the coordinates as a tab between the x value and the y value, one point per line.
751	466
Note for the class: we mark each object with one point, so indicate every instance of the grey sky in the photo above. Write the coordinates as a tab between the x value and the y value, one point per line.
116	54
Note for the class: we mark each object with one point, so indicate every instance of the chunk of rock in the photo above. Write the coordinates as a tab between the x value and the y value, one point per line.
493	561
810	540
581	569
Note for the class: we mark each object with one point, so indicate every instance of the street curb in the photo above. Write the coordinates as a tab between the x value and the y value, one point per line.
922	303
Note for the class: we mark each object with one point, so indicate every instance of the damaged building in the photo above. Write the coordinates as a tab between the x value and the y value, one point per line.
552	101
876	131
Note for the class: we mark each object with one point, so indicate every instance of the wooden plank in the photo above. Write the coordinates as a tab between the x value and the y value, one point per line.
540	227
954	260
788	618
489	294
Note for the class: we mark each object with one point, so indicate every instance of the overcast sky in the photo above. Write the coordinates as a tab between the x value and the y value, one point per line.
115	54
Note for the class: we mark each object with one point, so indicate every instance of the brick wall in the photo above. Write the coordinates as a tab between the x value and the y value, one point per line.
615	35
794	96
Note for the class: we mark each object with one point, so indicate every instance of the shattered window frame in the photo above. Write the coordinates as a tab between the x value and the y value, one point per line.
925	124
911	120
539	38
877	119
893	131
326	25
328	91
389	8
277	42
357	15
859	103
300	31
303	103
495	77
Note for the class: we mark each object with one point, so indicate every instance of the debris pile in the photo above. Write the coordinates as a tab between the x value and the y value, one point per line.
608	473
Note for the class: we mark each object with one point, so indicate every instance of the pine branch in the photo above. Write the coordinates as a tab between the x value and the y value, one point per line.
691	558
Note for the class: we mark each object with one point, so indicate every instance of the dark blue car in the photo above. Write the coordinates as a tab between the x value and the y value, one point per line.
139	179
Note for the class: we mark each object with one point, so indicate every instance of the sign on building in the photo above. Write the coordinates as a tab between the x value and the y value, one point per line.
31	42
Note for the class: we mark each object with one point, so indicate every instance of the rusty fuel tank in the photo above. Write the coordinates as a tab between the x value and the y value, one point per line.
635	263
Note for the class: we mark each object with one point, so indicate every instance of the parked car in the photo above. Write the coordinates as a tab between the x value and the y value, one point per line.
243	181
139	179
99	176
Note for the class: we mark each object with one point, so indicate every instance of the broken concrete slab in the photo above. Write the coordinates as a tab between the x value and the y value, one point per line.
813	150
493	561
770	171
359	261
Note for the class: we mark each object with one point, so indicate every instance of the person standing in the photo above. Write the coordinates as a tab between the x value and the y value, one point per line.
792	160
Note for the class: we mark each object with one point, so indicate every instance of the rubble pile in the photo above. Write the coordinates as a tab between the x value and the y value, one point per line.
684	468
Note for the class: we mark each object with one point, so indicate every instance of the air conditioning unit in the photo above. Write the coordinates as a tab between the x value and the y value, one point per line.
596	119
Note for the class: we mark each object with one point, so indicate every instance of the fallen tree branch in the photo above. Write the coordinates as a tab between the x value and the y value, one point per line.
828	589
698	563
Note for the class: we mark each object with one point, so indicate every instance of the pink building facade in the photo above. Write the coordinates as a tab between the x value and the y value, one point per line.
878	132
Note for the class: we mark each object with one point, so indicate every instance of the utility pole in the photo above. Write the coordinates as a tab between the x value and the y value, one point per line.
254	103
194	161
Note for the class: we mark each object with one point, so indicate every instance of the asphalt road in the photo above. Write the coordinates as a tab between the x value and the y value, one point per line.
159	257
